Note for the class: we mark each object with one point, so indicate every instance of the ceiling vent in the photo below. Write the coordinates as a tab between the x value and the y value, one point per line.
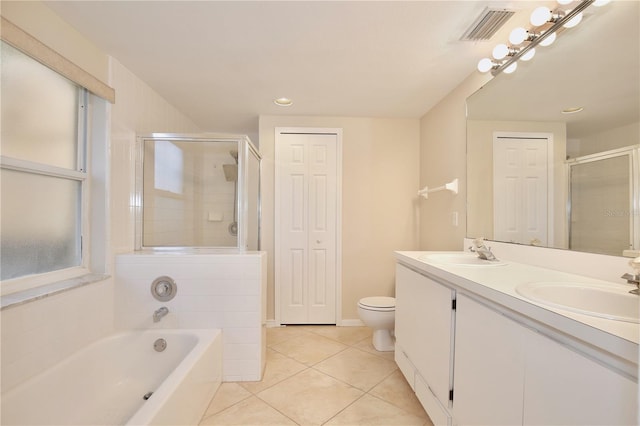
487	24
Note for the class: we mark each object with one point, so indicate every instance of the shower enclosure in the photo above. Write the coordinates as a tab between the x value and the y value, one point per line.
604	197
197	191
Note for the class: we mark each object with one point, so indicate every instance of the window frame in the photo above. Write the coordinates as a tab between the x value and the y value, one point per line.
78	174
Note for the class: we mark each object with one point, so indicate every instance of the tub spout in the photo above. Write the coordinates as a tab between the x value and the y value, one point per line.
159	313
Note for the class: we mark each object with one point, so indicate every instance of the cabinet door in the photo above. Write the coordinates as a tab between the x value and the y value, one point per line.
489	366
423	328
563	387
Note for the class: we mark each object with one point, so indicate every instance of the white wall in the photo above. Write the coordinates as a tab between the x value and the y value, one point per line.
379	187
443	141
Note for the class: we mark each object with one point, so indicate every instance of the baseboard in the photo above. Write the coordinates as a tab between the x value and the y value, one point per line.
273	323
343	323
351	323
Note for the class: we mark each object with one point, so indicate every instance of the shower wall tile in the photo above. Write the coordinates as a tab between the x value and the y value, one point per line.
220	289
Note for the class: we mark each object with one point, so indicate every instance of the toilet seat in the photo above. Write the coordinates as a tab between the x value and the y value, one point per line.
379	303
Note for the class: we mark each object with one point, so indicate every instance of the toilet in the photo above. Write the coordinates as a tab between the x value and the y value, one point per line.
379	313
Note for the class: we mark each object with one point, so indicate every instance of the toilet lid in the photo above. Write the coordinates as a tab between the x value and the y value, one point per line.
379	302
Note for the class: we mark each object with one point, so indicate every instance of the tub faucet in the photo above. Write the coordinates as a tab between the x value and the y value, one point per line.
482	250
159	313
634	278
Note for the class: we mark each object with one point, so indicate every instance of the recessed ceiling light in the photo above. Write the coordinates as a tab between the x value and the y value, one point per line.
572	110
283	102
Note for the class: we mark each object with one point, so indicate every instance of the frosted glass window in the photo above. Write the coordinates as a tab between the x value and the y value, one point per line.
42	144
169	166
40	223
39	112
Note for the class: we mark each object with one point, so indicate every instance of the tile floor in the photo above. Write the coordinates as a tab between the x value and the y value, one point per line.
320	375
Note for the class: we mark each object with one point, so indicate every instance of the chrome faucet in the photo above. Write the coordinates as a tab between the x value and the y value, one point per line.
634	279
159	313
482	250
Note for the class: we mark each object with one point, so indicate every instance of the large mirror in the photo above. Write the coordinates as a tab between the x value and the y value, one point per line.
538	174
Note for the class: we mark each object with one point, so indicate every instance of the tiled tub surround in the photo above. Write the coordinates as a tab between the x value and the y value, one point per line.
609	343
216	289
134	383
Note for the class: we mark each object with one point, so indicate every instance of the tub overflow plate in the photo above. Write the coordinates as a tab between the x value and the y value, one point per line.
164	288
160	345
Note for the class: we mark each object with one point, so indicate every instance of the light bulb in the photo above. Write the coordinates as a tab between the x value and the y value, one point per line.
527	56
540	16
573	21
500	51
511	68
485	64
599	3
549	40
518	36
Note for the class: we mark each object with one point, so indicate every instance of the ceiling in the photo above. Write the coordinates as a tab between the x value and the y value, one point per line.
223	62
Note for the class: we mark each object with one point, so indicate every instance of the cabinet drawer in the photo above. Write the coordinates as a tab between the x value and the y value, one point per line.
437	413
406	366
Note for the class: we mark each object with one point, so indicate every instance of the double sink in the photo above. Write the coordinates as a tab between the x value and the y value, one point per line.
610	301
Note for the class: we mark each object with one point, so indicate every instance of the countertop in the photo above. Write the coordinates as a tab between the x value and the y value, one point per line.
613	339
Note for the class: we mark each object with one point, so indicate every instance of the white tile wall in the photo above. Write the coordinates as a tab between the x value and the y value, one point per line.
39	334
222	289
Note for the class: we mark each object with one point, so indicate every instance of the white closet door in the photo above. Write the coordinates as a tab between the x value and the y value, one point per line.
306	219
520	190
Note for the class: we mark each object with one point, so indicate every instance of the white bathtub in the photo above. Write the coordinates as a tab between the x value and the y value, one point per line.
105	383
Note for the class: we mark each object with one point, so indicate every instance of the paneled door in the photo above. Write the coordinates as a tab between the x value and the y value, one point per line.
307	224
520	190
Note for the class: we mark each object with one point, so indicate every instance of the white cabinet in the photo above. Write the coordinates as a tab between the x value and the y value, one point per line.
564	387
489	366
502	367
424	330
508	374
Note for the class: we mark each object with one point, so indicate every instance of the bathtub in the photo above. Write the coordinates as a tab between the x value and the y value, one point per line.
123	380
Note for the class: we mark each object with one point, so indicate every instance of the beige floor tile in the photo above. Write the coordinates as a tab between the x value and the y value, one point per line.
276	335
395	390
346	335
310	397
370	410
357	368
227	395
279	367
367	345
252	411
308	348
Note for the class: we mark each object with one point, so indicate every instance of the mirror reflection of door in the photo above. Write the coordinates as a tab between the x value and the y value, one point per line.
520	190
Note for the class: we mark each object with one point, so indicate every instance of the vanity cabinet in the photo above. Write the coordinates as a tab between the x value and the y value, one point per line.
507	373
424	337
489	366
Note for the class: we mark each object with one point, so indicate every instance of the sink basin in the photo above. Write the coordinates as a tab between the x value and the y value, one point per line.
460	259
598	300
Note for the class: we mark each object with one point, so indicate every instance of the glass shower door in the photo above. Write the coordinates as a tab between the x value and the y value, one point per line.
602	190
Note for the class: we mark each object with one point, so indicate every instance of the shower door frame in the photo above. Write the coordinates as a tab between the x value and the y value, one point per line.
245	150
633	152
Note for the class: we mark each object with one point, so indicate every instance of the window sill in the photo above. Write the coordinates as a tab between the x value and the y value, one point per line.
41	292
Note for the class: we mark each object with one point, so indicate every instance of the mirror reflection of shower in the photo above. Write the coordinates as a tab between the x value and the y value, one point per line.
231	175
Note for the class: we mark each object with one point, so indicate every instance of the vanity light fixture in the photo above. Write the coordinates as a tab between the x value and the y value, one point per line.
545	23
284	102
